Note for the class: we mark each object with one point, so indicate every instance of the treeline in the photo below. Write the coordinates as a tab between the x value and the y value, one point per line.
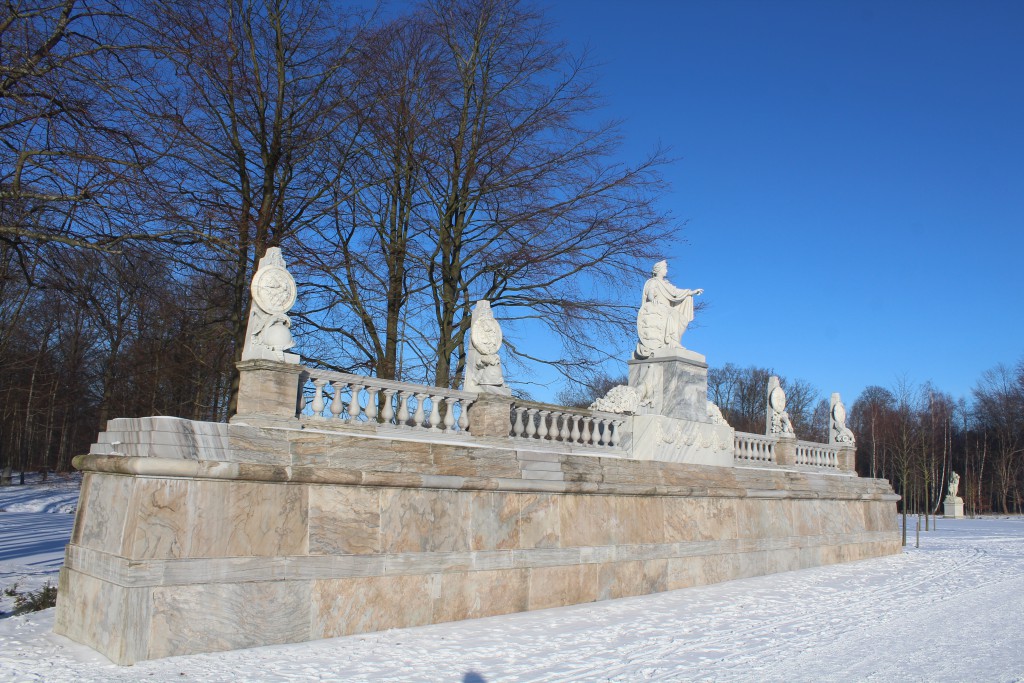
407	165
915	436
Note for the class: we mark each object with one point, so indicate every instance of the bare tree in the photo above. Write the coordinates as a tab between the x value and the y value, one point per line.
484	181
999	407
870	420
247	100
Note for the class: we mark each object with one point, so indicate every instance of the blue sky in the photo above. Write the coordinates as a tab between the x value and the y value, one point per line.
851	174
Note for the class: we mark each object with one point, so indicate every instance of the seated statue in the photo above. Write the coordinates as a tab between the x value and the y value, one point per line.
665	313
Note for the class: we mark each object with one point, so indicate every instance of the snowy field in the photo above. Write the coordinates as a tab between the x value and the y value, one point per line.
952	610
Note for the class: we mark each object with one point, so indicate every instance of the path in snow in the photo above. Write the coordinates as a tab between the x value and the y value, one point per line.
35	524
948	611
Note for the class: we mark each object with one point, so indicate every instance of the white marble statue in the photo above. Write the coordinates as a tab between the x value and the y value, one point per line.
838	432
483	365
954	486
268	334
777	422
665	313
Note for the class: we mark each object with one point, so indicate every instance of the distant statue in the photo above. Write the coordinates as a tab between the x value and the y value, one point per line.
483	364
838	432
778	422
665	313
268	333
954	485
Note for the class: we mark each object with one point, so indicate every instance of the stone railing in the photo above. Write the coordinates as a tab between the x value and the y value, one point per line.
339	397
571	426
753	448
817	454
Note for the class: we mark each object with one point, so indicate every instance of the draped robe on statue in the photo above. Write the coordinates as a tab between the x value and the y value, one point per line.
665	313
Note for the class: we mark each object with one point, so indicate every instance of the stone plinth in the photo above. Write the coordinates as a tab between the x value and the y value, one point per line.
656	437
953	508
785	451
677	427
268	390
676	382
257	536
848	458
489	415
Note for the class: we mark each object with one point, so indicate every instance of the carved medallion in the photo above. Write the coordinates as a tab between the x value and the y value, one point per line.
486	336
273	289
778	399
839	414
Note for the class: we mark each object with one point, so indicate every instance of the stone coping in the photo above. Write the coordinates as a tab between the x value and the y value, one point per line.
257	472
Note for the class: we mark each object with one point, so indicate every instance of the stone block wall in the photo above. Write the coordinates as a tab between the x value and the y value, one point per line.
293	535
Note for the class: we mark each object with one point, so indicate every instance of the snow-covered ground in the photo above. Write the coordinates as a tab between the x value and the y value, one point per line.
949	611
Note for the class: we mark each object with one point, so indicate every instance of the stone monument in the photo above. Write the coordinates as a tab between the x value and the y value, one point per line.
268	335
777	422
953	505
672	382
838	432
295	522
483	364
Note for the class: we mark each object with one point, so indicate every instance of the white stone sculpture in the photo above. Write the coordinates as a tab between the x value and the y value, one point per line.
953	505
620	399
778	422
838	432
715	414
268	334
665	313
954	486
483	365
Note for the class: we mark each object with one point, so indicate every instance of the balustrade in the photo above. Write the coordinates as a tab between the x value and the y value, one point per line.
753	447
817	454
353	399
552	424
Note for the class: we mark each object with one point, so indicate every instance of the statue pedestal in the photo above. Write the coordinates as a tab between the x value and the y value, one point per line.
676	427
675	381
953	508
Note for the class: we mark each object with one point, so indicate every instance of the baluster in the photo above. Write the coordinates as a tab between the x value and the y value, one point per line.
553	429
336	404
353	404
531	426
601	433
585	437
563	434
417	419
388	409
613	436
542	426
574	435
371	403
449	412
403	409
518	427
464	416
318	398
435	412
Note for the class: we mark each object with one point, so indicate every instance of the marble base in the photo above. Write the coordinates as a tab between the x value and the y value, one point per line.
293	535
676	381
656	437
953	508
